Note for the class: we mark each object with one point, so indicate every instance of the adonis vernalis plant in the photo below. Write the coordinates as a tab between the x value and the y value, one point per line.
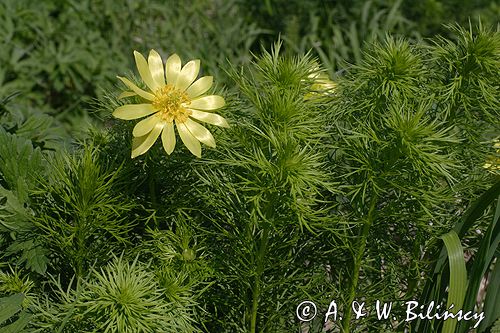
175	97
321	190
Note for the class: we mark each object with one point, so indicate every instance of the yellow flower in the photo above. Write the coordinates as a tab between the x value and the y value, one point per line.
174	97
321	83
493	162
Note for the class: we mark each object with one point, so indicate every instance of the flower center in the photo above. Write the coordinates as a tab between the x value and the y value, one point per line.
171	104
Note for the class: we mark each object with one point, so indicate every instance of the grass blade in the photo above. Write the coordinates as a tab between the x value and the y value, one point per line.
458	277
491	308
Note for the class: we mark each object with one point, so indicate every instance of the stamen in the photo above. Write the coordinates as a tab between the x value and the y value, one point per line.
171	103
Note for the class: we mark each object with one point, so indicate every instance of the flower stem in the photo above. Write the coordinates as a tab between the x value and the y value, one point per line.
357	263
259	270
152	182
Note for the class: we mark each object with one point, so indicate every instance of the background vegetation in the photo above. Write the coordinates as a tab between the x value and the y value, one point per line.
332	194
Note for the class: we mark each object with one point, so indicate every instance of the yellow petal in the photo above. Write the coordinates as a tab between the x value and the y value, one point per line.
172	68
126	94
142	144
210	118
136	89
143	68
210	102
189	140
188	74
133	111
200	133
200	87
145	126
168	138
156	68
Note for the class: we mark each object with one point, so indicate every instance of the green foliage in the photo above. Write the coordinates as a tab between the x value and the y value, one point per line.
340	34
275	178
311	194
125	297
14	283
458	276
42	130
30	252
14	216
492	298
20	165
338	30
181	251
259	192
60	54
80	214
435	288
469	68
429	15
122	296
390	145
398	159
9	306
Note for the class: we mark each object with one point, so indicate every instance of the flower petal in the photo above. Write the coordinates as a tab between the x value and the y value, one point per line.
188	74
210	118
200	87
172	68
200	133
143	68
133	111
189	140
126	94
145	126
142	144
156	68
168	138
210	102
136	89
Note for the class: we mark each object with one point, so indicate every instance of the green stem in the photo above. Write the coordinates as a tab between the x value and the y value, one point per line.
260	269
357	263
152	190
81	230
80	252
152	183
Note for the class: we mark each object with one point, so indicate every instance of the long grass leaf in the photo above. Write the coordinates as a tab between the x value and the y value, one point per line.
434	288
491	309
477	209
467	221
458	276
482	262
